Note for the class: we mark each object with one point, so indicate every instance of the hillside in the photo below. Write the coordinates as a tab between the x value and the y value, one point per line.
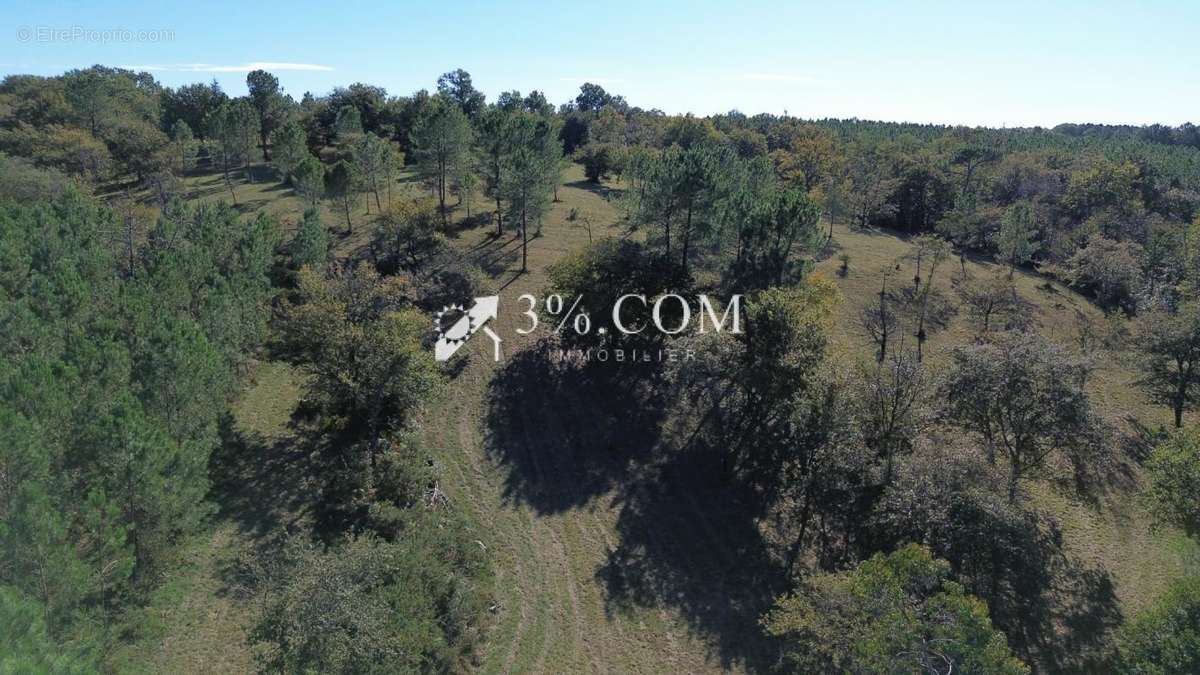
604	561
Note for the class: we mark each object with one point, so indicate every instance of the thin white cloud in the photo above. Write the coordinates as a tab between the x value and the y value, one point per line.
780	77
240	68
593	80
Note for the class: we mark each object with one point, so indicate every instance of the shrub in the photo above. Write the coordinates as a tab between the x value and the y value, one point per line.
1164	639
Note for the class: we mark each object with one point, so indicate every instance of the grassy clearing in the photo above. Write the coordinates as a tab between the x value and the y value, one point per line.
199	619
552	614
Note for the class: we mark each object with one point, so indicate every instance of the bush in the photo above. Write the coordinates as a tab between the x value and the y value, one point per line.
372	606
1108	270
406	238
1174	493
599	160
1164	639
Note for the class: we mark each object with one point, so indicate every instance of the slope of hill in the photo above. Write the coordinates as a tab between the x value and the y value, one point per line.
606	562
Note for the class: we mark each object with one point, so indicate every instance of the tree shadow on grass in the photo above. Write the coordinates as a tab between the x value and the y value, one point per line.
1068	627
601	190
687	543
567	432
571	433
455	228
1057	612
251	205
496	254
202	190
263	485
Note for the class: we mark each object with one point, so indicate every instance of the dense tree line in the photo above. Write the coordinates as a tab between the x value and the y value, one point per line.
1108	209
120	358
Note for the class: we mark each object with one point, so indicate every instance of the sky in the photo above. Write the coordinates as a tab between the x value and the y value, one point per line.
980	64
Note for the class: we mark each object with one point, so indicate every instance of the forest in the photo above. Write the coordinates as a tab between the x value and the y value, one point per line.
959	433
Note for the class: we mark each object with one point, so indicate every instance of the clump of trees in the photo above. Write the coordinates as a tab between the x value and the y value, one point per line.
441	144
1024	396
397	581
358	335
607	270
529	173
893	613
374	605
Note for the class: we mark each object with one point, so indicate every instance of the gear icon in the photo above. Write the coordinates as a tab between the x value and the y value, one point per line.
452	315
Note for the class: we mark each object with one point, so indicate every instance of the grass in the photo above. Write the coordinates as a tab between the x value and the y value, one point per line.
598	568
198	620
552	614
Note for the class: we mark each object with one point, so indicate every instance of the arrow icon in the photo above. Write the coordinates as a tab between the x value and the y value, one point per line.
484	310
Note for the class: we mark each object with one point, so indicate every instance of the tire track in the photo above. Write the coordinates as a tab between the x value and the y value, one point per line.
554	615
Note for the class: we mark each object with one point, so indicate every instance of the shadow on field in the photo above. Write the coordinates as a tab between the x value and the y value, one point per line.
603	191
455	228
686	542
572	433
208	188
567	433
251	205
495	254
261	484
1062	622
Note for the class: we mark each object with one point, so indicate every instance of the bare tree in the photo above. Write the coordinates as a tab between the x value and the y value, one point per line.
891	404
935	250
880	321
990	298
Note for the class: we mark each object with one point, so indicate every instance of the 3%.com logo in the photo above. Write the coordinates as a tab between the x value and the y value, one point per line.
455	325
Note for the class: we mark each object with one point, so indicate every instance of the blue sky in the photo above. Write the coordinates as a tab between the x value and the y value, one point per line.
999	64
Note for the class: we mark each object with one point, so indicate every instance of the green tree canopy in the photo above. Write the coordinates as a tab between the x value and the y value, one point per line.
440	143
1170	346
1164	639
1173	494
894	613
267	98
1025	398
290	145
